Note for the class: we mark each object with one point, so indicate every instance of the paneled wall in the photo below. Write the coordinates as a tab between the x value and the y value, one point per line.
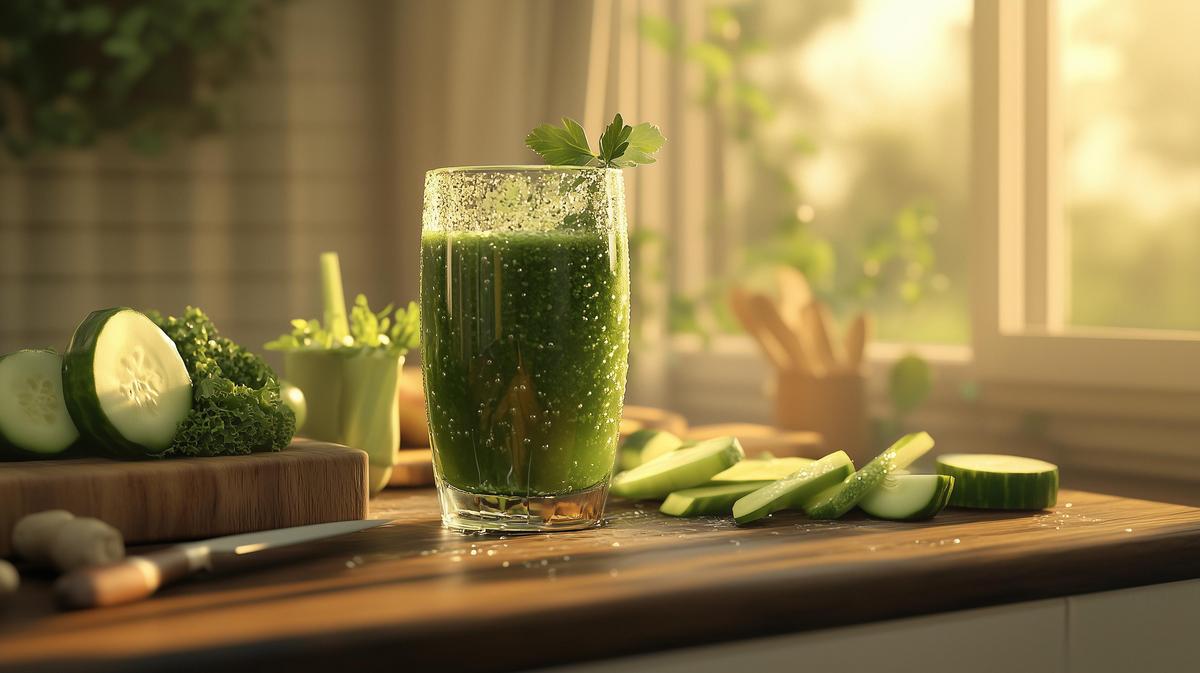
231	223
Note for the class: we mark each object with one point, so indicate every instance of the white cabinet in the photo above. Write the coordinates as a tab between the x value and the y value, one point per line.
1140	630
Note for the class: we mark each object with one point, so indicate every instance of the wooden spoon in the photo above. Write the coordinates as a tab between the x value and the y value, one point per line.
766	314
794	294
739	302
856	341
817	324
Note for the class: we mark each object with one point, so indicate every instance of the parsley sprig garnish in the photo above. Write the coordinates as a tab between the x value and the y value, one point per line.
621	145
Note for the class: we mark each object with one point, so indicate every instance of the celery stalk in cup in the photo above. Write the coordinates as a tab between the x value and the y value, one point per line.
349	371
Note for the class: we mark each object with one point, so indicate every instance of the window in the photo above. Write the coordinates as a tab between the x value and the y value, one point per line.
837	135
1050	287
1131	162
1065	228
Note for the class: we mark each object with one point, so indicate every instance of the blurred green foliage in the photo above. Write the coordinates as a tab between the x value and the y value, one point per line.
909	384
892	262
74	71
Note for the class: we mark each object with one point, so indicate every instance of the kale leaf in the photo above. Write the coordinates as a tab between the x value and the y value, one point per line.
236	407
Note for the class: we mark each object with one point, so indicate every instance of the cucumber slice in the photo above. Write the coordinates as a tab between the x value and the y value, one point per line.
33	415
644	446
794	489
908	497
706	499
993	481
677	470
841	498
126	387
772	469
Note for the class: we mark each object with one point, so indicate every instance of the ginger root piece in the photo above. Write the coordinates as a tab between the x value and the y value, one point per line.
85	541
32	535
9	579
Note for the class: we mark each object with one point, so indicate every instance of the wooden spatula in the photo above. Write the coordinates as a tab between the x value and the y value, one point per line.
856	341
769	317
818	326
794	294
739	303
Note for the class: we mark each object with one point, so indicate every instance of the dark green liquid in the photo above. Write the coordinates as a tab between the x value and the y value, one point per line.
525	340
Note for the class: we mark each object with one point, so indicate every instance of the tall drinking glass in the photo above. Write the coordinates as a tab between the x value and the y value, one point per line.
525	341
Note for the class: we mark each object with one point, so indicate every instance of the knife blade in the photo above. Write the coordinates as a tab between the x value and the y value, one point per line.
139	577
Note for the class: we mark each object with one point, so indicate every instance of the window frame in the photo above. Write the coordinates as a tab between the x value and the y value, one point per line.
1018	238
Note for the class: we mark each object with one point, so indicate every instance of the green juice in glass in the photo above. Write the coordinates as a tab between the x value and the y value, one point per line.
525	341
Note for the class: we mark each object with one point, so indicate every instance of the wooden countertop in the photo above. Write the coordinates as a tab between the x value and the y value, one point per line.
413	595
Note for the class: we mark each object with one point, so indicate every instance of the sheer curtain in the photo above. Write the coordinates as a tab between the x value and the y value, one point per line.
472	78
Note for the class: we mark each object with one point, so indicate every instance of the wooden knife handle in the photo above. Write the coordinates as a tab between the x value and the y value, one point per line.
127	581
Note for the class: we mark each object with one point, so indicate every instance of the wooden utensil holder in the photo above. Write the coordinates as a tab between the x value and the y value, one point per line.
833	405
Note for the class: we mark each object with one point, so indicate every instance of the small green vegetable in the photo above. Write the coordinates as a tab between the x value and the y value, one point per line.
395	331
236	405
294	398
621	145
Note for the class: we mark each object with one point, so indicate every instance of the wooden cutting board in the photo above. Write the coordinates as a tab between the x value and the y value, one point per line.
637	418
756	439
414	467
192	498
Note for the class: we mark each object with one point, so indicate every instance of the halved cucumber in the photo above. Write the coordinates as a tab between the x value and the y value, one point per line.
993	481
677	470
908	497
706	499
794	489
33	415
126	387
841	498
644	446
767	470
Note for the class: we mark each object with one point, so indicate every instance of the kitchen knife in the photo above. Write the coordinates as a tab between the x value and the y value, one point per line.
138	577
